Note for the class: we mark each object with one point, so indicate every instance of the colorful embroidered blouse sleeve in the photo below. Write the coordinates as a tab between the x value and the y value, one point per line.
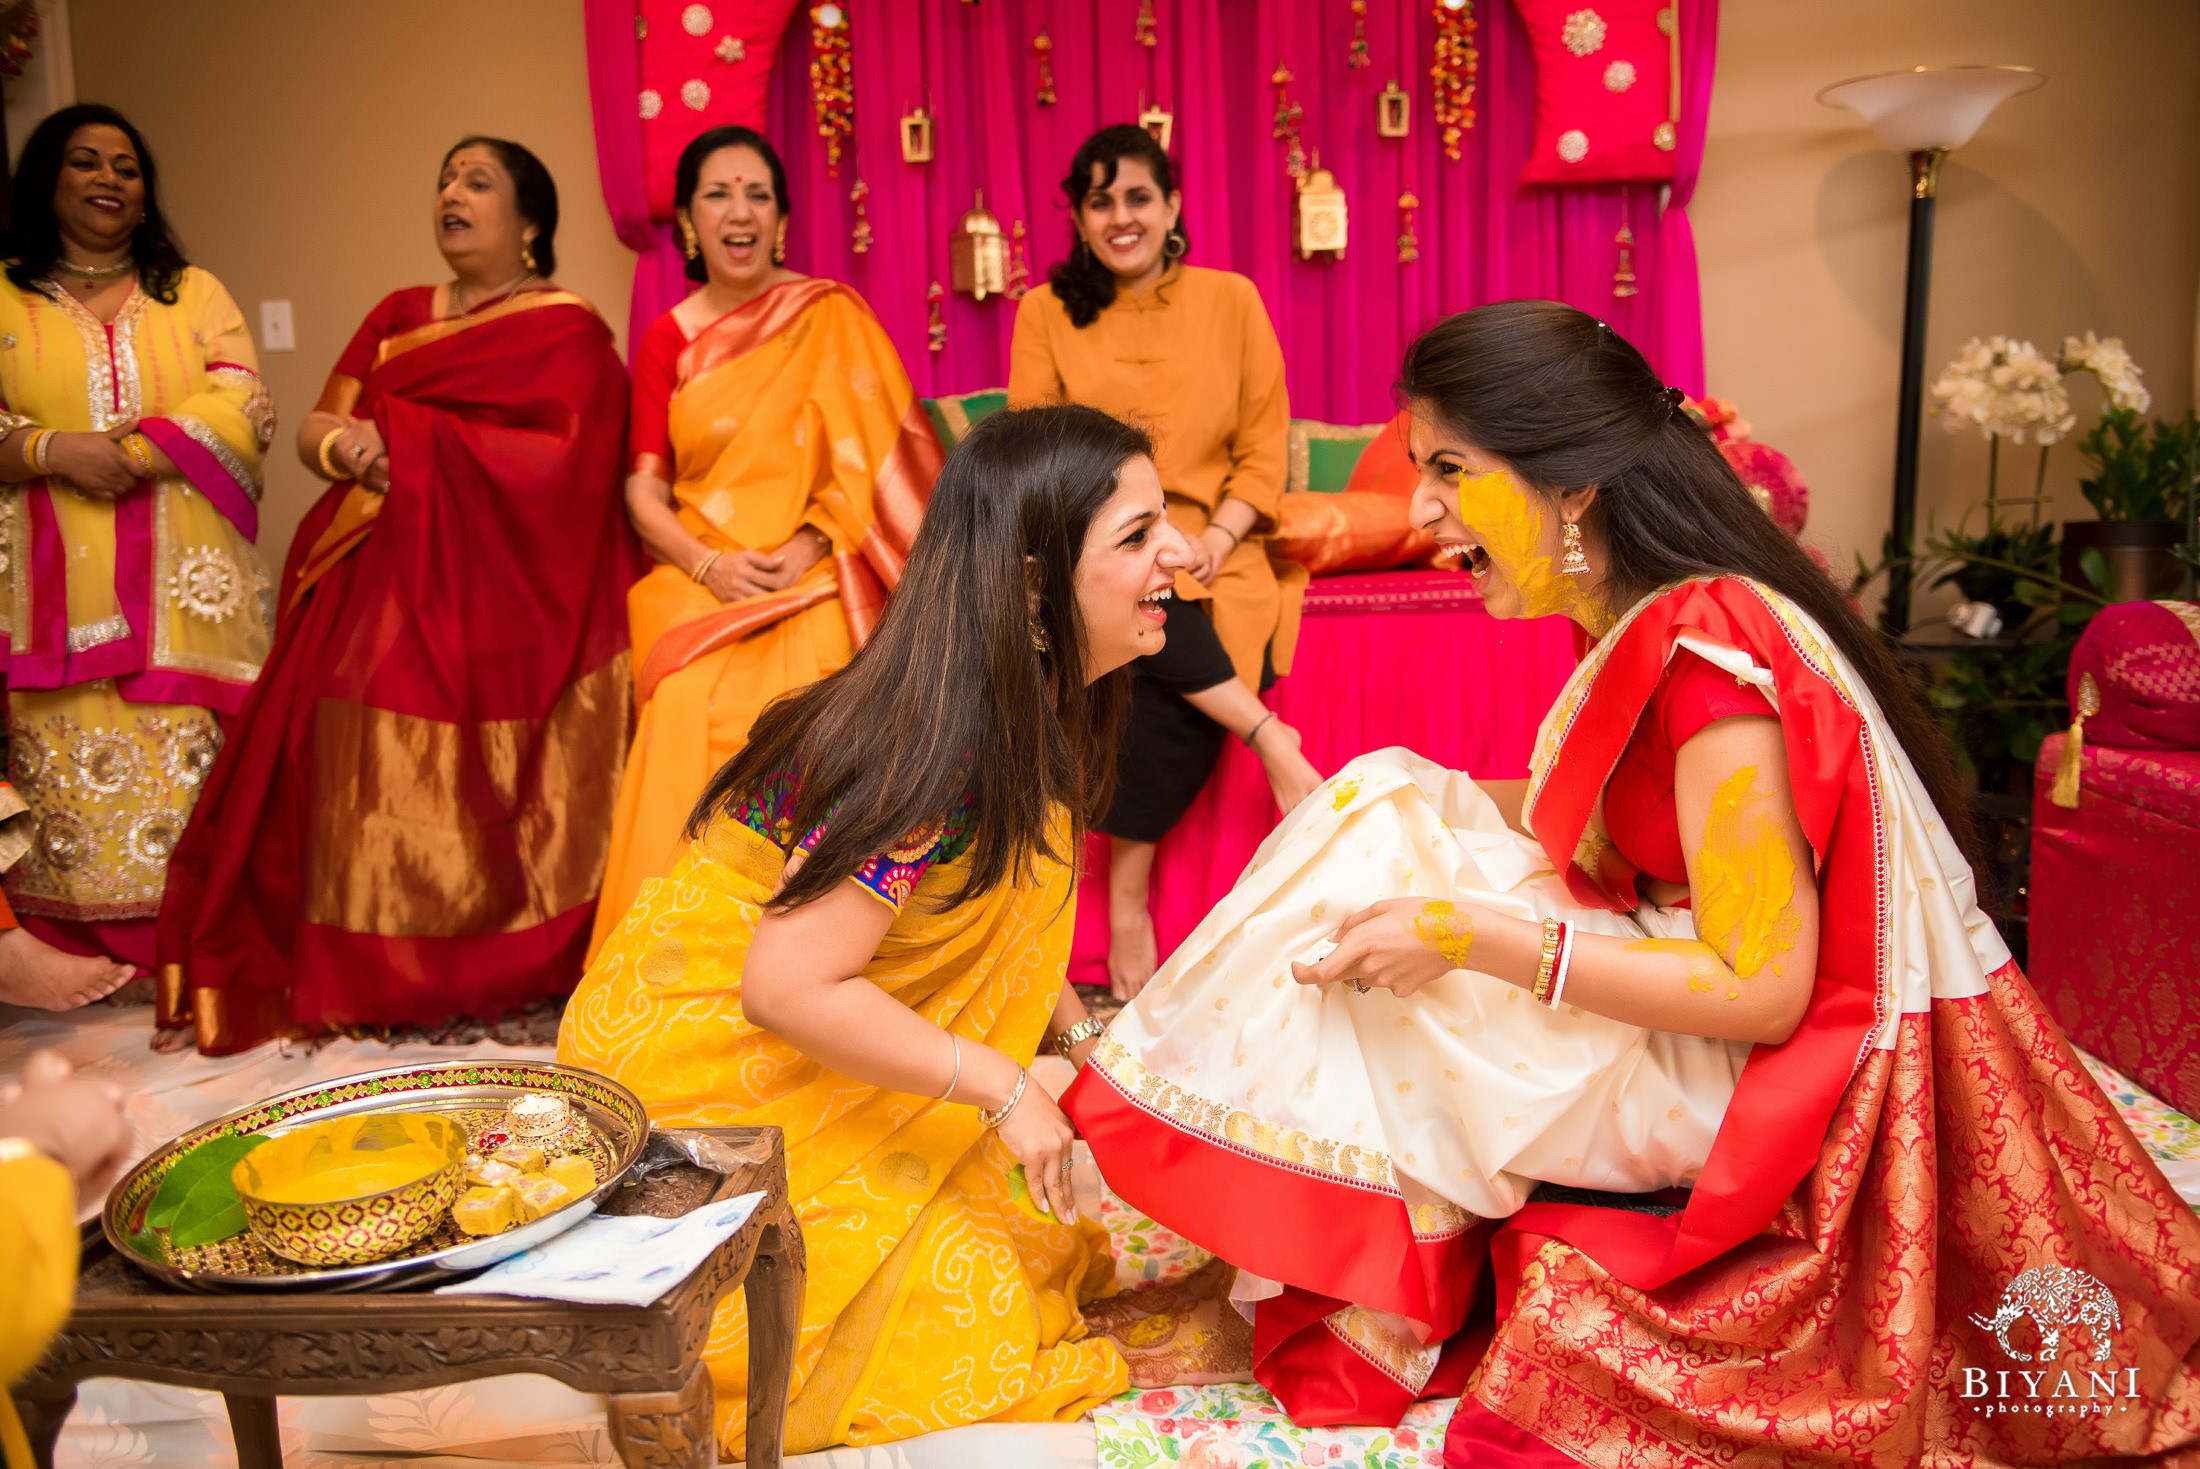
891	876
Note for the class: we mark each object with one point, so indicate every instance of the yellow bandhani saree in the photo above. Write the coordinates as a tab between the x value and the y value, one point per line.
792	411
933	1300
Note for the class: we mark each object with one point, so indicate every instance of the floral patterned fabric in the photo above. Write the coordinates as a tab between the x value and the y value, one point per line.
1235	1425
889	877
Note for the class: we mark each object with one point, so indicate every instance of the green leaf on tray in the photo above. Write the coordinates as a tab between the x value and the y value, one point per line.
197	1204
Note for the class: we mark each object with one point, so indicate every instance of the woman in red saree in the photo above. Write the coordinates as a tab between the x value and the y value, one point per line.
1788	1152
408	823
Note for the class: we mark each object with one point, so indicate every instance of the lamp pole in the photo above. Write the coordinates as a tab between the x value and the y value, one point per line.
1924	187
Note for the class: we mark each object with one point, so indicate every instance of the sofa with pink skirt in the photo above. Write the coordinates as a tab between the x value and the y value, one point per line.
2115	893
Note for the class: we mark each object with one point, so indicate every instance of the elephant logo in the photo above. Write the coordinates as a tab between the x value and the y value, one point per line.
2057	1299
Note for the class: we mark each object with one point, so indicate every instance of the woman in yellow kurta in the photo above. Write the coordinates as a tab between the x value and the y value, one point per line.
865	943
780	463
134	421
1125	326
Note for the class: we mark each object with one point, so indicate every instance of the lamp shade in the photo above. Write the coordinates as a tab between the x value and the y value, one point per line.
1930	107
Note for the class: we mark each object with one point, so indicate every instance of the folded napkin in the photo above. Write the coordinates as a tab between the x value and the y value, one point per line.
607	1260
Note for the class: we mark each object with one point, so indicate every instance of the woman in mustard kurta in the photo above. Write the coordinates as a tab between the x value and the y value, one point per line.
779	464
1125	326
136	612
864	945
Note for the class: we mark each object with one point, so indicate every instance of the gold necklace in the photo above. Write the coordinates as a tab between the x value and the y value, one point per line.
459	286
113	272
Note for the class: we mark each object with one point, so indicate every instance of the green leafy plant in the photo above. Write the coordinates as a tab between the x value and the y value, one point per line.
2140	471
197	1203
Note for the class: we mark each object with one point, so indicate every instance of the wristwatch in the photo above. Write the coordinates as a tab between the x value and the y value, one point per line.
1084	1030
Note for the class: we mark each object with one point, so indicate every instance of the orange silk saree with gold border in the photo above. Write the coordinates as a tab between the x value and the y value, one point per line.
792	411
408	821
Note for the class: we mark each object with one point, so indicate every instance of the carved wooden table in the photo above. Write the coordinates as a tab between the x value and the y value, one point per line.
254	1348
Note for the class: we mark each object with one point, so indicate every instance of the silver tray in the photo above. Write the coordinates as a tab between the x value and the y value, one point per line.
613	1115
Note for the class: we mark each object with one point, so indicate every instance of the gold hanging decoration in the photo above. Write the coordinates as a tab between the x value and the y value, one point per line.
1409	239
916	136
978	255
1158	121
1393	111
1623	278
832	83
1453	71
935	329
1288	117
1321	213
860	237
1357	58
1147	33
1019	264
1044	45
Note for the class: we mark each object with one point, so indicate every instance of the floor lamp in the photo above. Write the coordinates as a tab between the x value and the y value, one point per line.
1923	112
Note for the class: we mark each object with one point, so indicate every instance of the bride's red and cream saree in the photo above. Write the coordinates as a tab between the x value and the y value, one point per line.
1830	1287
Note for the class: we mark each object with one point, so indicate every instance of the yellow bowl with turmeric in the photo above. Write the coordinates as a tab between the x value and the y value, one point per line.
353	1189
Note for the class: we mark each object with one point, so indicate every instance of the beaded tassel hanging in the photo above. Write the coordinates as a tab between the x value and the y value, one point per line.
1044	45
1623	278
1148	35
1288	117
1357	57
1019	264
935	327
860	241
1409	239
832	85
1453	71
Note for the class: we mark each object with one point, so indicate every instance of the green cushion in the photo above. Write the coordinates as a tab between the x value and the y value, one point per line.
952	417
1323	455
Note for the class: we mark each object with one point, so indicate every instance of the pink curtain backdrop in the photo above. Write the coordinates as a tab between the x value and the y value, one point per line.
1344	324
1359	683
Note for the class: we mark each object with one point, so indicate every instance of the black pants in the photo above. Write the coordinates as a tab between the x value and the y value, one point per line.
1170	748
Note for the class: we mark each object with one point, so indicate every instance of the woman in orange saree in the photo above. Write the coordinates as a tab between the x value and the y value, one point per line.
780	464
408	823
1694	1062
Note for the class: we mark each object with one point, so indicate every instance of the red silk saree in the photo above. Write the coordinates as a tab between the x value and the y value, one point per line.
410	818
1888	1194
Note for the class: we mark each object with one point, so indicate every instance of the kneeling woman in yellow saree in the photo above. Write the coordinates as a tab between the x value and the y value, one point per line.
865	939
1696	1057
780	463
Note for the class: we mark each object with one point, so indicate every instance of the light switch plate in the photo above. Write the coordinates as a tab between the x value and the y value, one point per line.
276	334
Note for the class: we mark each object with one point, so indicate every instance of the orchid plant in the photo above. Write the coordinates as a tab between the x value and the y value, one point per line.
2007	389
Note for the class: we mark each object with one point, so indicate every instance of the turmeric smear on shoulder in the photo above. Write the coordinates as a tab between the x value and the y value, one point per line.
1745	877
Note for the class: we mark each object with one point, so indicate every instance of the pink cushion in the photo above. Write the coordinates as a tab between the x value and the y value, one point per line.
1603	91
2145	659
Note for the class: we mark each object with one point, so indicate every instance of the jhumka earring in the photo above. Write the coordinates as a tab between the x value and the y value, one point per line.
527	254
1040	642
689	245
779	245
1573	563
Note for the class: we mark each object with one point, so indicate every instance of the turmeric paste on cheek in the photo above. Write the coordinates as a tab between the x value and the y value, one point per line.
1515	526
1745	877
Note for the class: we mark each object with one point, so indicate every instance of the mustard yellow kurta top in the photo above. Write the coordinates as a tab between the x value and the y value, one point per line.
1194	361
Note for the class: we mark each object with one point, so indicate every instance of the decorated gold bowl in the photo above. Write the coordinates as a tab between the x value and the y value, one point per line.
353	1189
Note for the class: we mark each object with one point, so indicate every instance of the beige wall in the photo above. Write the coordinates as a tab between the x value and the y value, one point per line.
300	139
2076	208
298	142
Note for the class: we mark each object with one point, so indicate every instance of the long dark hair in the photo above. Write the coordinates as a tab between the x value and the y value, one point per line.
1083	285
34	235
1567	402
689	173
534	194
951	699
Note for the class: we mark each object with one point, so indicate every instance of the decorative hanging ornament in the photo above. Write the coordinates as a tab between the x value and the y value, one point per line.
978	255
1623	278
1409	240
1019	264
1456	64
860	238
1044	45
1288	117
1321	209
1147	33
832	85
1158	121
916	136
1393	111
1357	57
935	329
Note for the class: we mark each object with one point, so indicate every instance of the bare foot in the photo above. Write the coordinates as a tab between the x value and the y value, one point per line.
1133	952
36	974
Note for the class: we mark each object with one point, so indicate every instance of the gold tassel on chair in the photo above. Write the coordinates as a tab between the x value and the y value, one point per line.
2065	790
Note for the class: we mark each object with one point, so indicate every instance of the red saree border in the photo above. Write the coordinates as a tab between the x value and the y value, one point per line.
451	326
1785	1099
750	325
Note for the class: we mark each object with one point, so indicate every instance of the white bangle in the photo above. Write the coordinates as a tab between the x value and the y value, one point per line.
956	1080
1565	962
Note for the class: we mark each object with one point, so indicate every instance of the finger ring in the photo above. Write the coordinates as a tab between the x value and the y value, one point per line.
359	451
1357	986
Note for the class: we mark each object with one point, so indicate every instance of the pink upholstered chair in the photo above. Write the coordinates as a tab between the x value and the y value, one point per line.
2115	898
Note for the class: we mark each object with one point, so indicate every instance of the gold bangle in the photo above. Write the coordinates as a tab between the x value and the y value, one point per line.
993	1120
1543	971
140	450
34	450
327	439
702	567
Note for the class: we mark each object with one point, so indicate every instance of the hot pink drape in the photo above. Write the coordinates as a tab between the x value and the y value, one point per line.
1344	324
